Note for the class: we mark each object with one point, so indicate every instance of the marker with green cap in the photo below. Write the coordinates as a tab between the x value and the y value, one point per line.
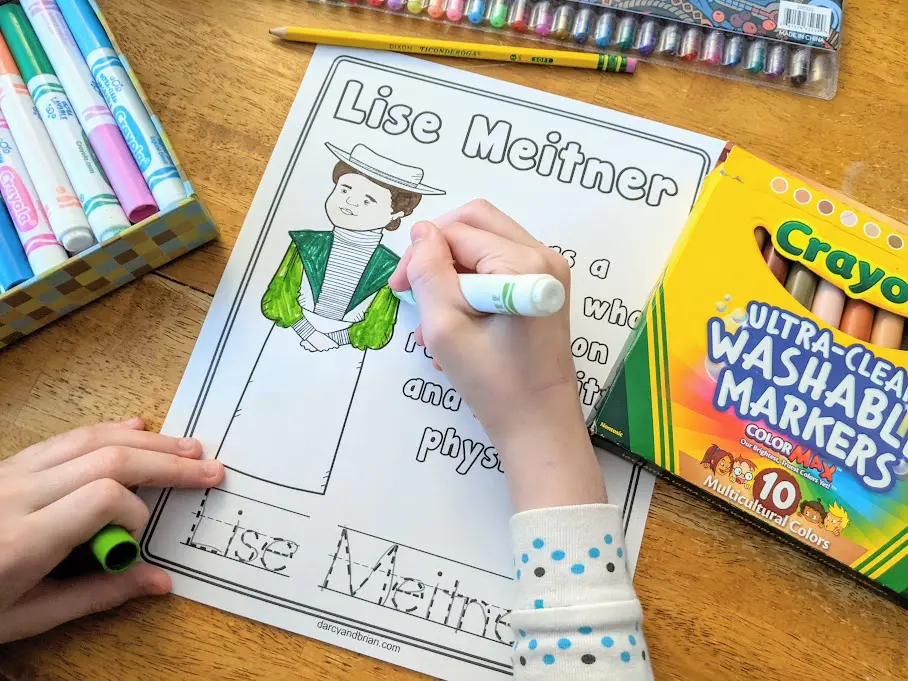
105	215
115	549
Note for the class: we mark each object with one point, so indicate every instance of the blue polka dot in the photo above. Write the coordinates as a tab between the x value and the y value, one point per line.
518	575
524	559
632	640
625	656
594	553
608	539
607	641
558	555
522	633
538	543
578	569
515	645
620	552
532	644
564	643
586	631
548	659
538	604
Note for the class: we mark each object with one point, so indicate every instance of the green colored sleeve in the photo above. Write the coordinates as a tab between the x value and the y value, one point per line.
375	330
280	303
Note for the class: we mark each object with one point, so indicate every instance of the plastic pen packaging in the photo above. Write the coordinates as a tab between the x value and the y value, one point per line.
777	44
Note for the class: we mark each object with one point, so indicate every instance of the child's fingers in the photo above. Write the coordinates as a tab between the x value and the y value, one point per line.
489	253
43	454
483	215
55	530
398	280
432	276
80	442
52	603
128	466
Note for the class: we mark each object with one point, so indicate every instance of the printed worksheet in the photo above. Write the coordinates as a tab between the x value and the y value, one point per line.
363	504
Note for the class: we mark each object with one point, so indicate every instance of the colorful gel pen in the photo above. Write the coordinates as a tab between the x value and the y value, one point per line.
498	13
519	16
454	10
476	11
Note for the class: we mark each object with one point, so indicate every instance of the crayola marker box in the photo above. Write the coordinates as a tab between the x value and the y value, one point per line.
767	372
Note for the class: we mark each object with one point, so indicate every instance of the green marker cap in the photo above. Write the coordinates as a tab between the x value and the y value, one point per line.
23	43
115	549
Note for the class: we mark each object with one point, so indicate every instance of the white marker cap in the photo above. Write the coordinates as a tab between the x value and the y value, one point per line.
77	240
547	297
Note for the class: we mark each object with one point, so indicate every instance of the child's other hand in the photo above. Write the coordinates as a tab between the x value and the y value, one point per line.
516	373
57	494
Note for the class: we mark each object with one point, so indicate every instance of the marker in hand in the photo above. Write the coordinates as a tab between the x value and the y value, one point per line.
526	295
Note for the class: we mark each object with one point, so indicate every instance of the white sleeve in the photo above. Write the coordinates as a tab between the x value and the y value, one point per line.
576	617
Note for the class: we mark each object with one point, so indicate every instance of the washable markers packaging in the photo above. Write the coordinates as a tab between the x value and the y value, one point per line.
738	389
782	44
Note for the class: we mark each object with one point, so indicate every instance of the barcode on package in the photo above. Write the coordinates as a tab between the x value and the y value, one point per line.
808	19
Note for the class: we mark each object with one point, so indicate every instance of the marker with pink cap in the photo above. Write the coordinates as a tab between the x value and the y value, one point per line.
94	115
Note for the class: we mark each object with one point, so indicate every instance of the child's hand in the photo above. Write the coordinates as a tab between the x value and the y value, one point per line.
516	373
57	494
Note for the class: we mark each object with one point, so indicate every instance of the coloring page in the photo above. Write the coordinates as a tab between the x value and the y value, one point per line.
363	504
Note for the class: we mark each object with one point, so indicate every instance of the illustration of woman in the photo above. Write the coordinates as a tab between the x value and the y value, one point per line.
329	296
332	286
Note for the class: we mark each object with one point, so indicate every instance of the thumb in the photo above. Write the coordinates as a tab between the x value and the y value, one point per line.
431	272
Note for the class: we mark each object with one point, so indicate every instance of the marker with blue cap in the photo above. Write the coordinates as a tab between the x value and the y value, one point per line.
132	117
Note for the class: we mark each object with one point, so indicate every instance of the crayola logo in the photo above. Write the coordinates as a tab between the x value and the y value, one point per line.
134	137
792	239
17	200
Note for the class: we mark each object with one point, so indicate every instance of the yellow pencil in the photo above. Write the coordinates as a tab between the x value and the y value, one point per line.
450	48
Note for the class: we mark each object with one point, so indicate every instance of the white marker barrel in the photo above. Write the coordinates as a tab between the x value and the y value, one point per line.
142	137
38	240
105	215
94	115
526	295
57	196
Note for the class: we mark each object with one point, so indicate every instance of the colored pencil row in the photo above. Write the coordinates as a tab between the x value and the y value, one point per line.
857	318
607	29
80	157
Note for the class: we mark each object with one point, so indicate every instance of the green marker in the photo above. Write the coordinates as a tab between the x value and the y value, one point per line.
105	215
115	549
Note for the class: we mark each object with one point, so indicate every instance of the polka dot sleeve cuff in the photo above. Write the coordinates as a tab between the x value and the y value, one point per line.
576	616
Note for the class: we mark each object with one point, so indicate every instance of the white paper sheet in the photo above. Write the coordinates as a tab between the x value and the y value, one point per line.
363	505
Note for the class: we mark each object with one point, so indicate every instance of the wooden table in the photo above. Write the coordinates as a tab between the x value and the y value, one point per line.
722	601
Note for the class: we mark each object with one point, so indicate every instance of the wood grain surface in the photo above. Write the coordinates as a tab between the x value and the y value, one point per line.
722	600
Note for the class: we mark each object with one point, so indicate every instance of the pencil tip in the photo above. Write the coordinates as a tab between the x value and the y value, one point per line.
279	32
